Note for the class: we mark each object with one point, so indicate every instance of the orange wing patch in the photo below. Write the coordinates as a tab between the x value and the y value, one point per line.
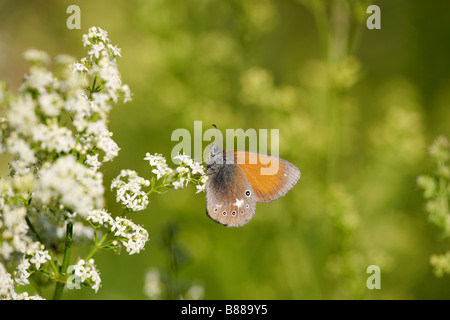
269	176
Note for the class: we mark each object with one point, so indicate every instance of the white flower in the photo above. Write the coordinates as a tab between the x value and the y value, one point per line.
129	190
160	172
14	227
92	160
189	171
197	168
25	296
53	137
102	34
13	216
40	257
39	79
200	188
155	160
182	170
131	235
20	149
97	130
49	128
22	273
153	284
158	161
77	66
181	158
87	272
179	184
100	102
108	145
7	288
36	56
6	283
100	217
70	184
20	167
97	33
21	115
126	92
80	110
114	50
51	104
97	48
86	41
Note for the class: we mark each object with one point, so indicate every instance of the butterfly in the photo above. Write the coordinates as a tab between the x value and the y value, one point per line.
239	179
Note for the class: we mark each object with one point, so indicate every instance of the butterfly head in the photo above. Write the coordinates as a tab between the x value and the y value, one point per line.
215	159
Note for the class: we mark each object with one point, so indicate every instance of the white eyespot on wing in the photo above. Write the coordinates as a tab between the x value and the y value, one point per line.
238	203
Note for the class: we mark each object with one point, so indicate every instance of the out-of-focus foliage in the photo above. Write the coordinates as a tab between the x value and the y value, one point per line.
436	189
356	109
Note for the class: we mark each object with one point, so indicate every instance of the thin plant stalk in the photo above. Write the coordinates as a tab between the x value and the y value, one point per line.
66	259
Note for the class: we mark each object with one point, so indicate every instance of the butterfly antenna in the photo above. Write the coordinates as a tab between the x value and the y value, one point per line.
217	132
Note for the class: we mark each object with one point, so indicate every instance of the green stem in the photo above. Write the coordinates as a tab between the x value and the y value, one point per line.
164	184
68	247
97	246
92	90
54	268
33	231
38	238
322	23
66	259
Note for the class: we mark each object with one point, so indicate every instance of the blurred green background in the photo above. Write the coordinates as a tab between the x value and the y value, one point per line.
356	109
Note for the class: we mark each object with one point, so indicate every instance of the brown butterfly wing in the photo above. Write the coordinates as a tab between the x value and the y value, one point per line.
270	177
230	198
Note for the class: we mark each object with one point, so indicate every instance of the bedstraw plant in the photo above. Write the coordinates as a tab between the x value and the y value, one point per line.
54	132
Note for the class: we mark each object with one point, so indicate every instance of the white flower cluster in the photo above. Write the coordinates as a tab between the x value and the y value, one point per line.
129	186
132	236
36	130
40	257
14	230
187	171
20	276
15	238
159	162
32	131
87	272
129	190
56	135
101	67
101	62
7	288
69	185
100	218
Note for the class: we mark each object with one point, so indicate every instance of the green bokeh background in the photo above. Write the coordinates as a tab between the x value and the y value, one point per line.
356	109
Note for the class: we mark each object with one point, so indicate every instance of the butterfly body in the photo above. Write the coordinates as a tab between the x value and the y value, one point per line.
237	181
